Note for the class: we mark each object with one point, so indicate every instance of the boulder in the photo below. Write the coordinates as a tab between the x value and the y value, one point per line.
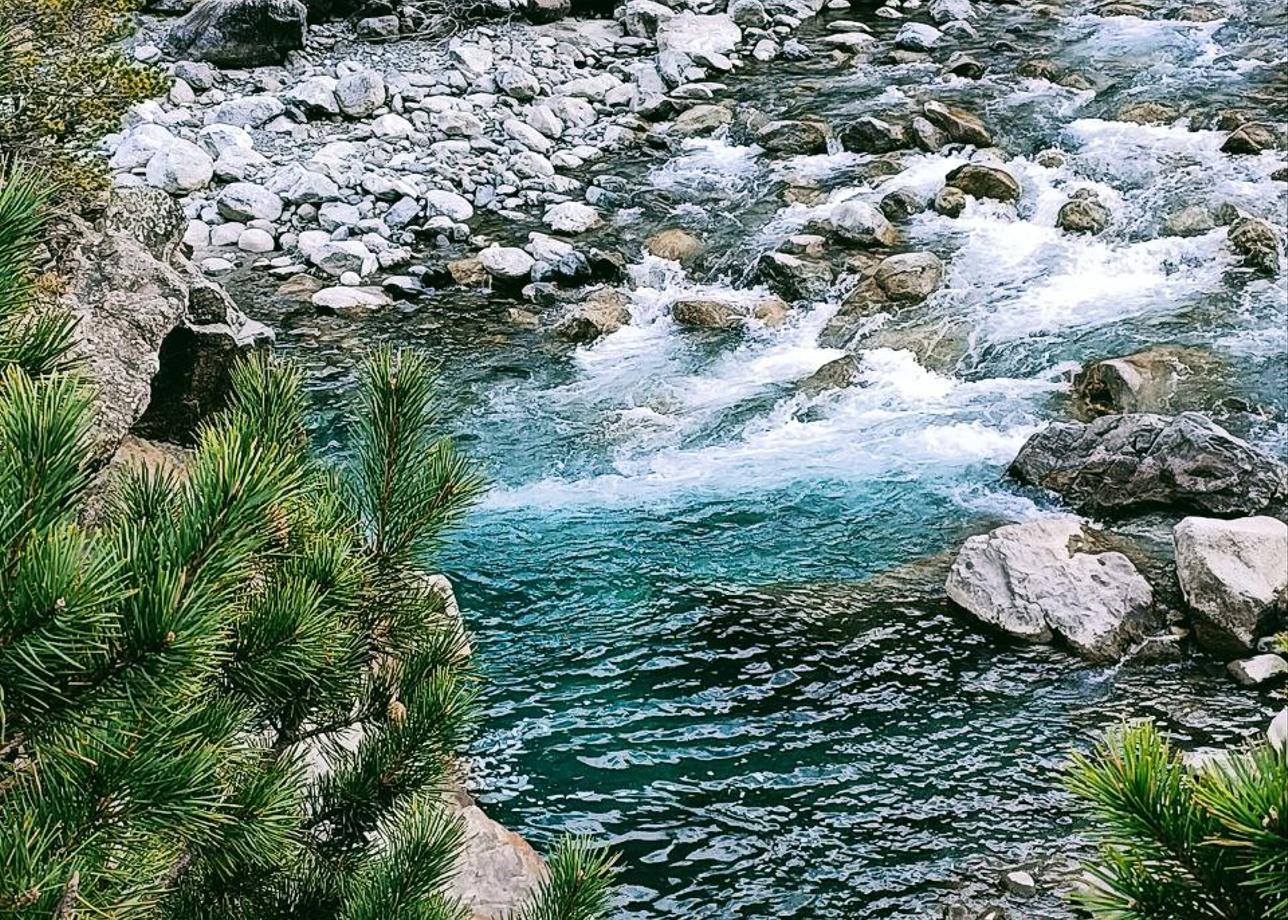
1249	139
794	278
1123	463
517	83
1145	381
1194	220
981	181
949	201
909	277
834	375
544	11
349	301
497	871
717	314
244	201
314	96
1259	669
869	134
448	204
602	313
902	203
1256	242
1149	113
1026	580
699	120
1233	575
1083	214
857	223
917	36
506	263
297	185
643	17
359	94
247	111
960	126
571	217
793	137
675	244
239	33
180	167
688	33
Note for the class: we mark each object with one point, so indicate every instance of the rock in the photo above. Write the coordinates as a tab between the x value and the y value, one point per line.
1141	382
960	126
1233	575
180	167
872	135
688	33
603	313
676	245
497	871
475	60
834	375
139	145
1258	670
392	124
949	201
701	119
338	257
910	277
506	263
1277	734
706	314
256	241
748	13
1123	463
243	201
297	185
643	17
1020	883
925	135
858	223
901	204
1083	215
314	96
982	181
217	139
378	28
526	135
239	33
448	204
1249	139
793	138
360	93
794	278
1149	113
1194	220
1256	241
247	111
944	11
542	118
517	83
571	217
963	65
1026	580
468	272
544	11
917	36
300	287
349	301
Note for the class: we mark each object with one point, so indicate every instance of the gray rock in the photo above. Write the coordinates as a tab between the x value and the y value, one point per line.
643	17
794	278
793	137
1123	463
314	96
869	134
949	201
336	257
139	145
1249	139
1234	575
247	111
917	36
506	263
239	33
378	28
350	301
245	201
180	167
543	11
298	185
602	313
1083	215
359	94
910	277
1026	580
981	181
750	14
218	139
857	223
517	83
1257	243
497	871
1145	381
448	204
960	125
571	217
1258	670
688	33
1194	220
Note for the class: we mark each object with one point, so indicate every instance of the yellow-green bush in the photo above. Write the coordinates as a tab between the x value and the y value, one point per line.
64	84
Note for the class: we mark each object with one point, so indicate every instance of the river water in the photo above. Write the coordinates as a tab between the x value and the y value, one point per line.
710	606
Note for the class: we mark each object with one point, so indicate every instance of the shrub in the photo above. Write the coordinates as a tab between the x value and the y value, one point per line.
1181	844
64	84
235	695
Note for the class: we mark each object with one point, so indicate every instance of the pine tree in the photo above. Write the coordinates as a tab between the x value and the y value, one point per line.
1183	844
234	694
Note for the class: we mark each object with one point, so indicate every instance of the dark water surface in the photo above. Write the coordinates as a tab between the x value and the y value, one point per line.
709	604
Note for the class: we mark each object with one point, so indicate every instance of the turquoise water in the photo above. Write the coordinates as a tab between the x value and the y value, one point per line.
709	604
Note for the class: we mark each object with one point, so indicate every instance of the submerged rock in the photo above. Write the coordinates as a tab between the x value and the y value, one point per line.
1025	580
1123	463
1234	577
239	33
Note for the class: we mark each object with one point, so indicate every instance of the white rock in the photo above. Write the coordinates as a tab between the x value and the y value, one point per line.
298	185
197	235
360	94
314	96
594	88
545	248
247	111
217	139
180	166
531	165
542	118
572	111
517	82
472	59
643	17
227	234
181	93
392	125
457	124
527	136
687	33
917	36
216	266
235	164
254	240
139	145
1023	579
508	263
449	204
247	201
1258	670
1231	573
336	214
1278	732
350	300
337	257
571	217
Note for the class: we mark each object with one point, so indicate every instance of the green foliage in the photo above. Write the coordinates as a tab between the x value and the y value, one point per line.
1177	844
237	695
64	83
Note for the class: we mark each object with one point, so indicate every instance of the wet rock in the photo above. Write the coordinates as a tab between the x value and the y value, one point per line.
1084	214
1256	241
716	314
468	272
1124	463
1249	139
1026	580
949	201
834	375
982	181
1149	113
1260	669
349	302
506	263
794	278
1194	220
917	36
857	223
869	134
700	120
571	217
1145	381
910	277
960	126
901	204
925	135
239	33
603	313
1234	577
675	244
793	138
1021	883
963	65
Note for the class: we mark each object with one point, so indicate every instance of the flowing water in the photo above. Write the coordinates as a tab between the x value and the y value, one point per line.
710	604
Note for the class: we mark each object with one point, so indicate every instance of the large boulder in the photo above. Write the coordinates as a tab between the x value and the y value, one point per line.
687	33
1256	243
793	137
1234	575
602	313
856	223
909	277
497	871
960	125
1027	580
983	181
794	278
239	33
1123	463
1146	381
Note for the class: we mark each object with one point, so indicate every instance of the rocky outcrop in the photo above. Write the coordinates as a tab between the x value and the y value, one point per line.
1026	580
152	334
239	33
1146	381
1124	463
1234	577
497	870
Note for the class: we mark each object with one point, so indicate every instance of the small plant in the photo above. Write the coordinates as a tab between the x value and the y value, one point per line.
1182	844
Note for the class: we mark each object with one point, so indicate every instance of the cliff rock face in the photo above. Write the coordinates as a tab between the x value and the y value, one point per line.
132	292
